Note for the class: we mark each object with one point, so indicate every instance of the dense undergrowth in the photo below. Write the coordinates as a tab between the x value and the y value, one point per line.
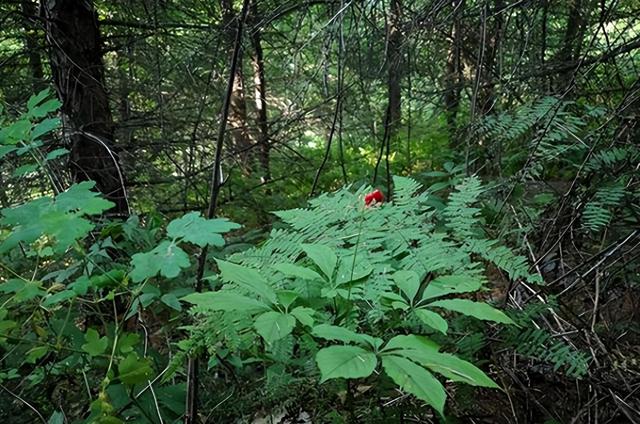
346	311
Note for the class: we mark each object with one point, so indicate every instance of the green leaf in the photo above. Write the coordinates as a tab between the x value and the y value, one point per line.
411	341
225	301
323	256
36	353
248	278
478	310
287	297
37	98
304	315
56	418
59	297
5	150
166	259
25	169
133	370
274	326
449	366
291	270
195	229
44	127
409	283
95	345
448	284
127	341
56	154
416	380
171	301
334	332
47	107
345	362
433	320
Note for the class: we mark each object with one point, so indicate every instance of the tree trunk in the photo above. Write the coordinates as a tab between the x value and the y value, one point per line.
571	49
31	45
394	66
239	140
453	76
488	72
78	74
260	92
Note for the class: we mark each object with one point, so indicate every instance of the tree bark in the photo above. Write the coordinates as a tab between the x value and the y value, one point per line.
260	93
32	46
239	140
453	75
394	66
78	73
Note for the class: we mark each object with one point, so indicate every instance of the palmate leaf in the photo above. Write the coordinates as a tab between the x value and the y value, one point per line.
200	231
166	259
133	370
478	310
345	362
95	345
60	218
416	380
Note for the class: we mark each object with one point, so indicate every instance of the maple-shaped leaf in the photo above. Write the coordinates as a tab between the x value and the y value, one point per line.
195	229
166	259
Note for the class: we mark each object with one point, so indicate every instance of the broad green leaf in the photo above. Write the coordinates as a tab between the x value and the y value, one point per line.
448	284
274	326
5	150
43	109
323	256
248	278
304	315
449	366
56	154
171	301
59	297
478	310
286	297
411	341
59	218
95	345
25	169
127	341
56	418
79	197
36	99
166	259
45	126
334	332
36	353
291	270
409	283
433	320
414	379
225	301
195	229
133	370
345	362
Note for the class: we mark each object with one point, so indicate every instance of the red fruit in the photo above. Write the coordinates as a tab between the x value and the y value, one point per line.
374	197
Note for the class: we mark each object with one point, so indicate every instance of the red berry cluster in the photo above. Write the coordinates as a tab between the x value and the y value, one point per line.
373	198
